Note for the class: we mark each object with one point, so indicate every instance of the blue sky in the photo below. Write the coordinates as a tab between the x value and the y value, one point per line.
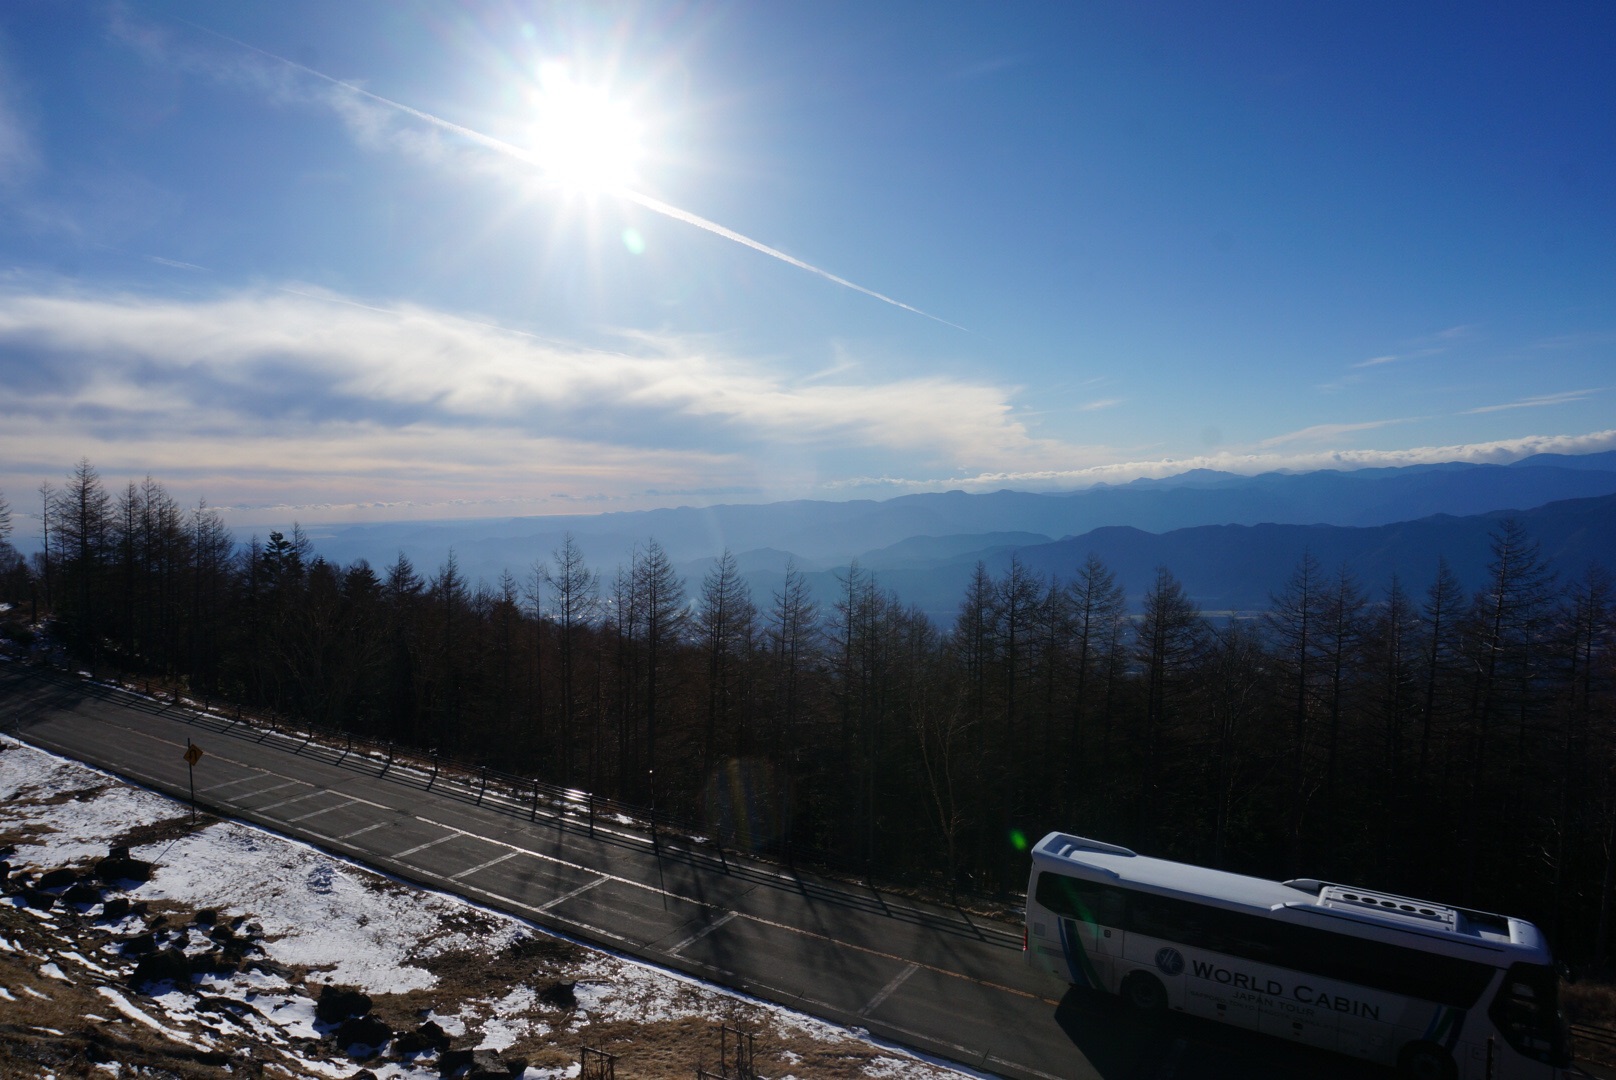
370	261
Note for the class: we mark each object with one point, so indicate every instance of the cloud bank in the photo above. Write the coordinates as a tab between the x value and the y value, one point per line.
308	391
294	397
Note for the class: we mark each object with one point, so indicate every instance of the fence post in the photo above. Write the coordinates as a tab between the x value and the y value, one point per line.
484	789
533	814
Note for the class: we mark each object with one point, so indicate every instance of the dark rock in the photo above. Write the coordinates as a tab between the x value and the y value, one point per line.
454	1062
115	908
486	1065
337	1004
225	1006
118	851
369	1032
113	870
81	893
210	963
560	996
363	1074
60	878
426	1039
39	898
205	917
165	965
140	945
473	1065
8	851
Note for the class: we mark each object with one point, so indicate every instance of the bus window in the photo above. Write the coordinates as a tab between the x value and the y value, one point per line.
1527	1013
1074	898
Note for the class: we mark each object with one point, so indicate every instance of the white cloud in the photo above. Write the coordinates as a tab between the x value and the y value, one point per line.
1537	401
1500	452
309	390
18	156
1326	433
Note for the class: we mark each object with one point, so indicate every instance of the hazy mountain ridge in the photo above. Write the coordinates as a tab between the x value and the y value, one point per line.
1225	536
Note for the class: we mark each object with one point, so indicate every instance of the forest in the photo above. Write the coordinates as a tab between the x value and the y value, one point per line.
1401	735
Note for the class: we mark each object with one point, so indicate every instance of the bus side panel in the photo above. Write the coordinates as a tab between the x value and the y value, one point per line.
1077	951
1291	1005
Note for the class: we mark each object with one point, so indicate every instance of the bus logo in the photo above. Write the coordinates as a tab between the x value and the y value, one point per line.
1169	961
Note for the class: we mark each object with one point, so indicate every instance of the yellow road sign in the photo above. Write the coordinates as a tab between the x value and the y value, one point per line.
193	754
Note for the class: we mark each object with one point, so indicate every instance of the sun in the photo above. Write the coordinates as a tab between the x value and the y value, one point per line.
583	139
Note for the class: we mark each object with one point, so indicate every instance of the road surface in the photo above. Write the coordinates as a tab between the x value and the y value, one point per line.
930	978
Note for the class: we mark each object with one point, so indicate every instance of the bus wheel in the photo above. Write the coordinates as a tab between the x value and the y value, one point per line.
1144	992
1425	1061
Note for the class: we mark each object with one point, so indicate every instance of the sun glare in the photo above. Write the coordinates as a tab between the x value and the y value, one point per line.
583	139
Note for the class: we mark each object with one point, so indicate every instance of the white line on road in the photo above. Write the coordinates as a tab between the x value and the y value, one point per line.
886	991
545	908
322	810
758	919
288	802
266	791
366	829
227	783
495	861
423	847
259	772
703	932
564	897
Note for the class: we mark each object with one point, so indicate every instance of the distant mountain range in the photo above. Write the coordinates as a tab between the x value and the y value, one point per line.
1232	540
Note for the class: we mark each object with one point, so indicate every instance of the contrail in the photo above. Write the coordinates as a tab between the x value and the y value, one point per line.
639	198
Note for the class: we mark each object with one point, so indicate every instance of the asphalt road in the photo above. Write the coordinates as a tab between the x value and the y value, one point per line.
930	978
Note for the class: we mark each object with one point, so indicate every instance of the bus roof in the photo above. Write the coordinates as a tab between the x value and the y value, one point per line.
1344	909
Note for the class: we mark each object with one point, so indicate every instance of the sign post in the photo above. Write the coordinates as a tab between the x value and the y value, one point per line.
193	754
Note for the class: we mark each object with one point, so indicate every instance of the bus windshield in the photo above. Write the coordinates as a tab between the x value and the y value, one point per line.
1527	1013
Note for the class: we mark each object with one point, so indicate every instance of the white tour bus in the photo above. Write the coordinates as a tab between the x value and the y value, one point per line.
1440	992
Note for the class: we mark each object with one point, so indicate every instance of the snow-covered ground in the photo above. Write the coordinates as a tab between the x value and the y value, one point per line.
298	919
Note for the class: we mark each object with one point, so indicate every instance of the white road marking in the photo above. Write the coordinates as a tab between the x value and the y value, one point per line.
423	847
322	810
760	920
564	897
266	791
703	932
886	991
544	909
361	832
238	780
495	861
288	802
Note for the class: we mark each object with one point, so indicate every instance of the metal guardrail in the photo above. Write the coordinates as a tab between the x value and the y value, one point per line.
1602	1037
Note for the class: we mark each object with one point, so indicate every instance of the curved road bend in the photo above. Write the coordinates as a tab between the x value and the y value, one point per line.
926	977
